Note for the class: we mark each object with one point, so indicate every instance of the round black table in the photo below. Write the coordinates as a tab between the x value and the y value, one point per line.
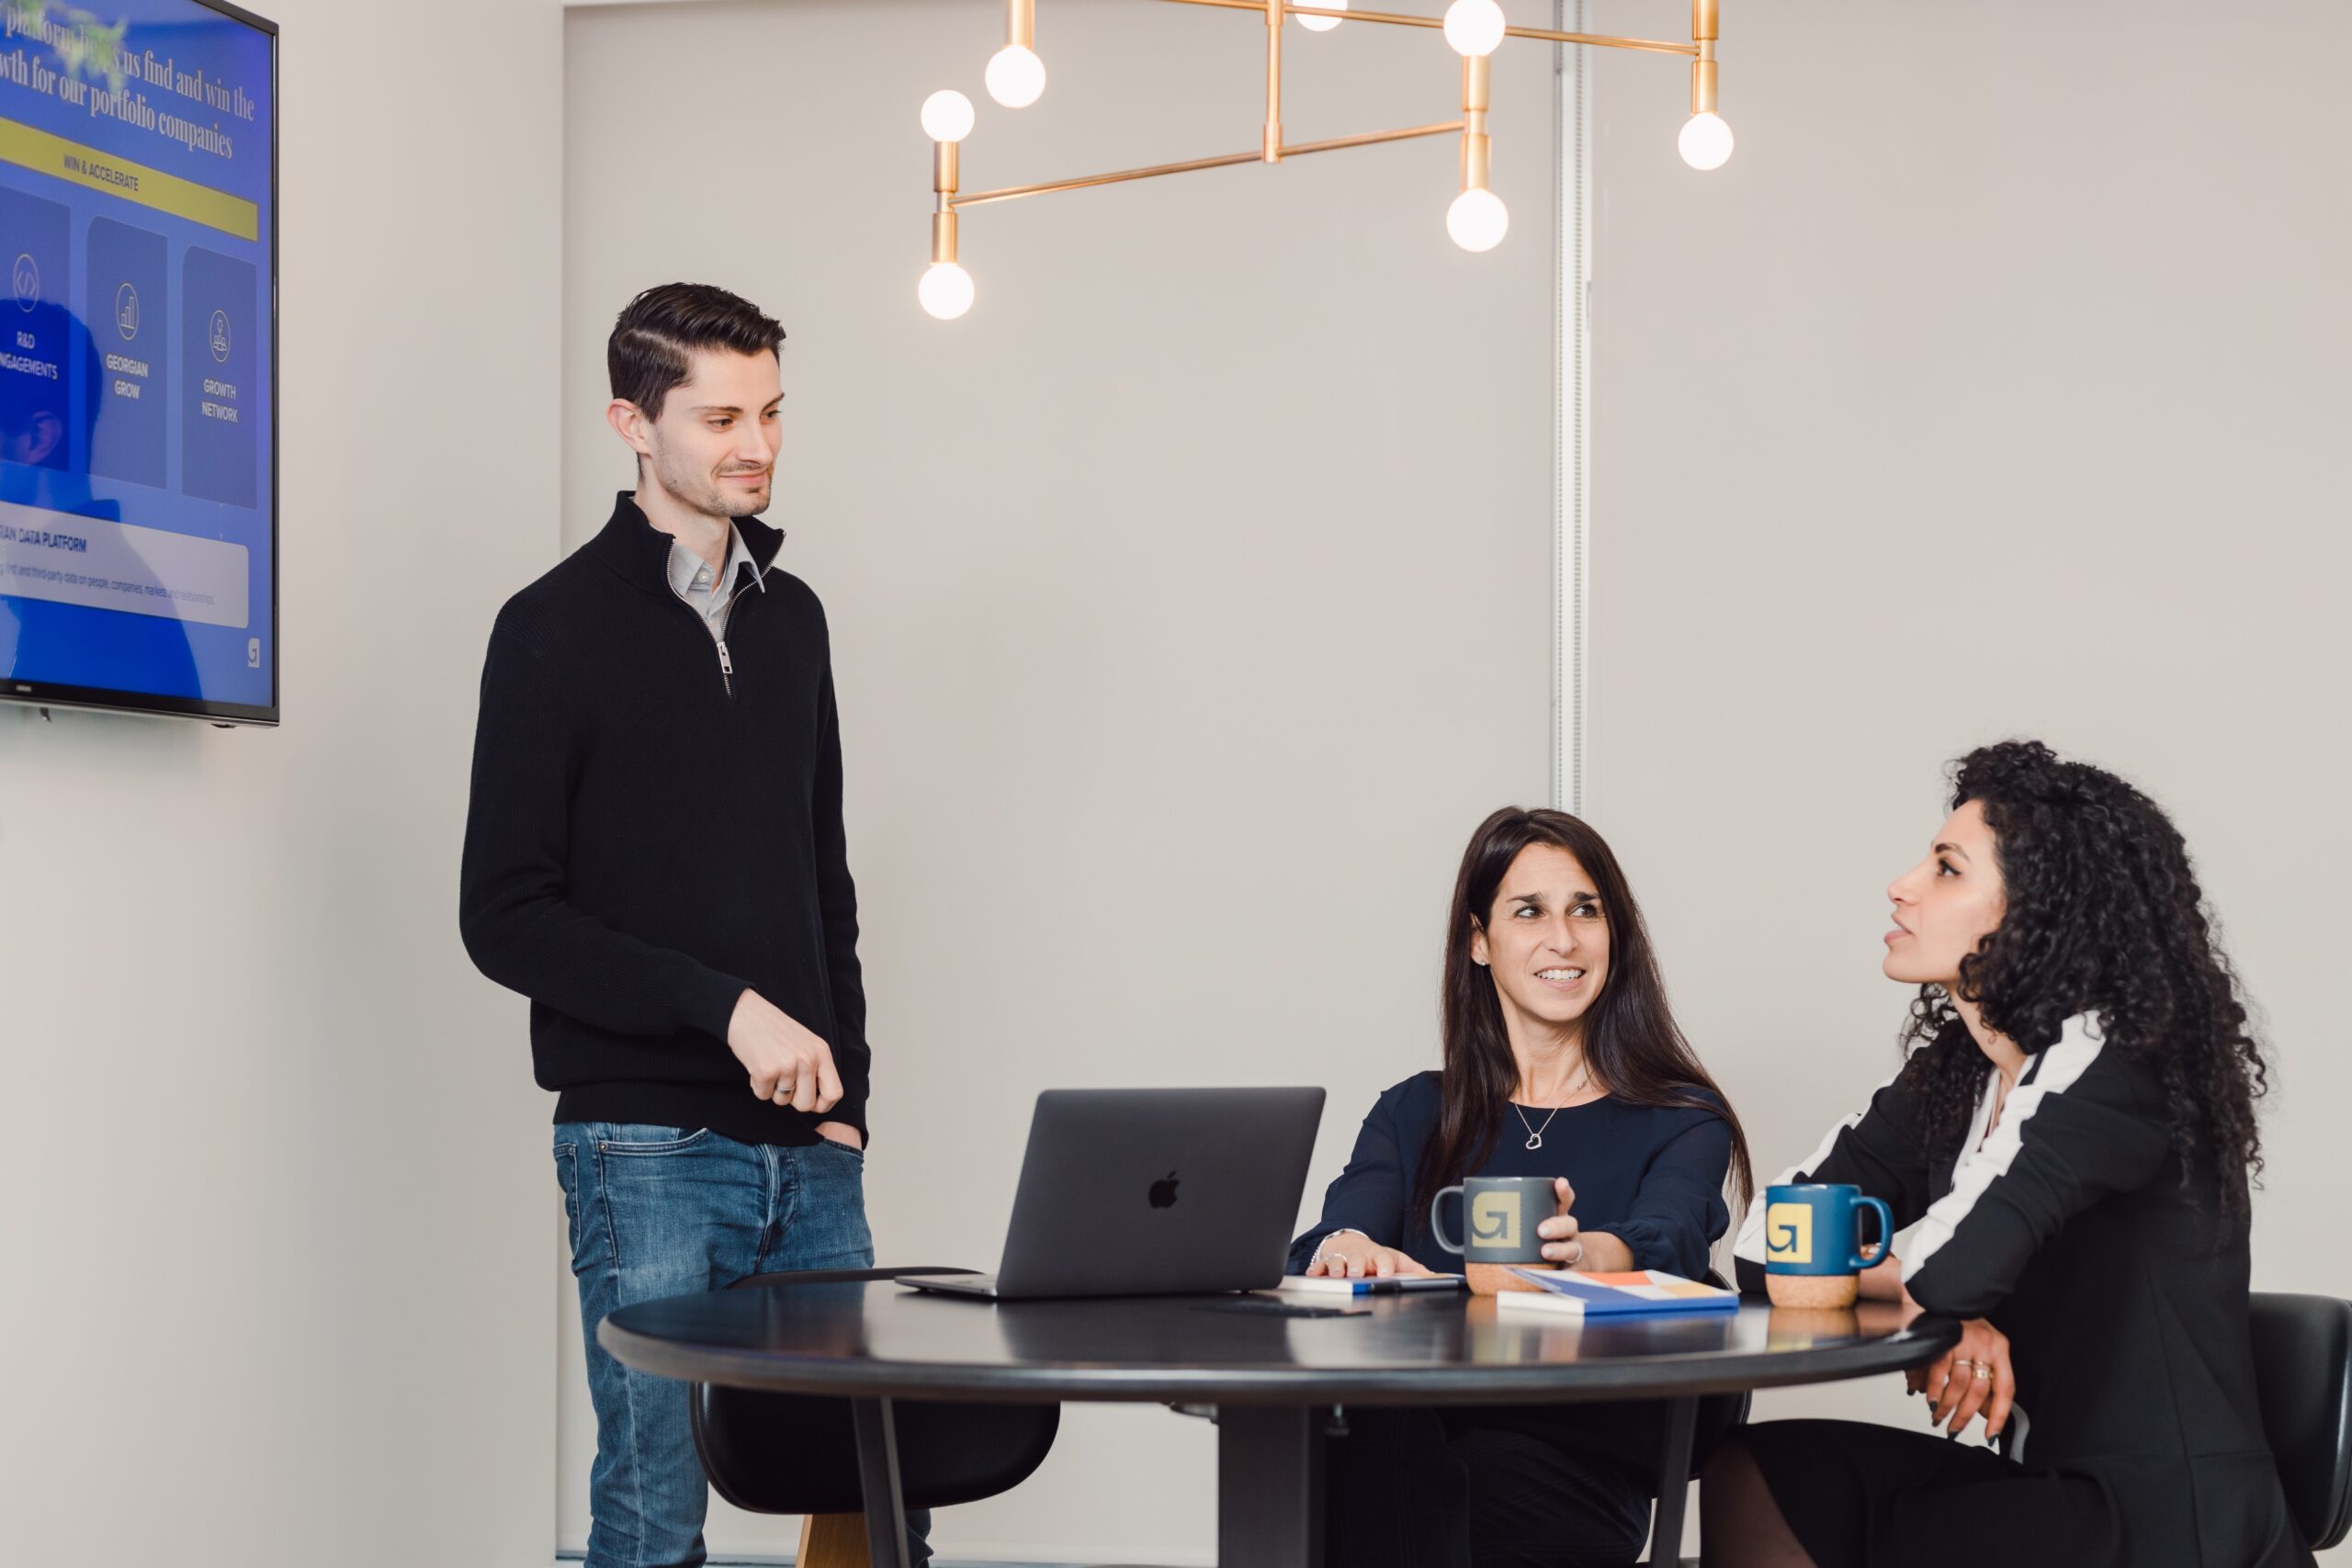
1273	1366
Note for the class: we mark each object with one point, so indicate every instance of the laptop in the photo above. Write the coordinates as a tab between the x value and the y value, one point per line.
1152	1193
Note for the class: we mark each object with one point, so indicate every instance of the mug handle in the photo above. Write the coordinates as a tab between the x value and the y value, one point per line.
1885	1233
1437	1225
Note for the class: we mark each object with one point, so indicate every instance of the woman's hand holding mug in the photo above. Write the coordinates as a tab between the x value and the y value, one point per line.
1562	1243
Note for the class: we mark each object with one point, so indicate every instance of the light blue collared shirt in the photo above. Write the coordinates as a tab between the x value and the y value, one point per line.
711	594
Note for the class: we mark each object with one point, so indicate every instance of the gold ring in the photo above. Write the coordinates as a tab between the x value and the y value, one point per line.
1984	1371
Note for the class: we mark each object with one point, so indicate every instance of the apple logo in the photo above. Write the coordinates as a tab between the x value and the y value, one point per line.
1163	1191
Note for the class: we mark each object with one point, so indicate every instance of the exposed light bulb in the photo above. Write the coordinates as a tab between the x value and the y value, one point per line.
1474	27
1015	76
1323	24
947	116
945	290
1477	220
1706	142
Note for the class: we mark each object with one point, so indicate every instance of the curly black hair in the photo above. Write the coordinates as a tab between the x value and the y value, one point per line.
2104	916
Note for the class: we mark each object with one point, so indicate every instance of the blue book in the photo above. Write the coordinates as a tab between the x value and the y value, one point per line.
1394	1285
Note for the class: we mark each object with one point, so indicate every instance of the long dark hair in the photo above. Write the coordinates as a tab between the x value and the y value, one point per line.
1631	1046
2104	916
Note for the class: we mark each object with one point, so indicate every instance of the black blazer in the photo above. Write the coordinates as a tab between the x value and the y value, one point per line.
2122	1292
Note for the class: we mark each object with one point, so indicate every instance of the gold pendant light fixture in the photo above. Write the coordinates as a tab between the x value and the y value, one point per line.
1475	29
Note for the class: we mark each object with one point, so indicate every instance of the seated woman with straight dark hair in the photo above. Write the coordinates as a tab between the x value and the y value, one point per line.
2072	1136
1561	1060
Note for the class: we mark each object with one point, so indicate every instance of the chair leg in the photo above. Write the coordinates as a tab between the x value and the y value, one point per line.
833	1540
1673	1485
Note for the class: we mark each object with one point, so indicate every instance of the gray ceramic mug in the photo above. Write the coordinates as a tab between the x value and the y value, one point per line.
1503	1212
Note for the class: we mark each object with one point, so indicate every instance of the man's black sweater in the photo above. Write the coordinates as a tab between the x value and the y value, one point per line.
656	828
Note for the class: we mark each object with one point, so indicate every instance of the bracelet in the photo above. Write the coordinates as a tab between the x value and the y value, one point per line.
1327	1236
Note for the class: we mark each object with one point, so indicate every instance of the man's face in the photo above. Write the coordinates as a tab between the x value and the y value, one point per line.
713	448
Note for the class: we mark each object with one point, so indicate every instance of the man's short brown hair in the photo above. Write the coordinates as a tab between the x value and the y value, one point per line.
652	345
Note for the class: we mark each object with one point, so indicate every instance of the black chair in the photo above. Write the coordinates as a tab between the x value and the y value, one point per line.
1718	1416
1718	1412
2303	1375
790	1454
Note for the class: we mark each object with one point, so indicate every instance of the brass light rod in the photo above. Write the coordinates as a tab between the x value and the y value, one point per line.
1255	155
1370	137
981	197
1656	46
1702	69
1270	138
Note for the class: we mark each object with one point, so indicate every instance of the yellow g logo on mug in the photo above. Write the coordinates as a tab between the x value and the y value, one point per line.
1788	1233
1494	1220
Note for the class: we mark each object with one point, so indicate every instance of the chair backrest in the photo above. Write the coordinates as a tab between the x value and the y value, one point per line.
791	1454
2303	1373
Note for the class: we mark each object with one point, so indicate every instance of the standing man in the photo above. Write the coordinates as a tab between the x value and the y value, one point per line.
654	856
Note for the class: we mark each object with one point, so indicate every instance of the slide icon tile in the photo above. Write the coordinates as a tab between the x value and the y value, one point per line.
39	373
129	320
218	448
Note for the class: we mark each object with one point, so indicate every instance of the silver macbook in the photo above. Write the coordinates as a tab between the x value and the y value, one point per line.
1152	1193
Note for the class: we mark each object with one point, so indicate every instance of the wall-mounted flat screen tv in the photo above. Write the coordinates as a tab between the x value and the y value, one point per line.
139	358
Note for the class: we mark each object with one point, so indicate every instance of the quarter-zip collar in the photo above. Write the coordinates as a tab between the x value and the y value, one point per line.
689	573
639	553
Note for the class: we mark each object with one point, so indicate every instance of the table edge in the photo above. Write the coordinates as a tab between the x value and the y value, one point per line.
1525	1384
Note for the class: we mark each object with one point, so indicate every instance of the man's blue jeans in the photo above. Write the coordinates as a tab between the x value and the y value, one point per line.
663	1211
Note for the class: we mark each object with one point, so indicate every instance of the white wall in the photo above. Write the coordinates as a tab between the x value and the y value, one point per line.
1994	387
1190	597
275	1191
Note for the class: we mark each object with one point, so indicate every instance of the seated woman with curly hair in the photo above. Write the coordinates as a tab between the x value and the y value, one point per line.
2072	1135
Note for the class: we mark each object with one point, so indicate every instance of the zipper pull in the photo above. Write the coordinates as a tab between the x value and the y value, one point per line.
726	665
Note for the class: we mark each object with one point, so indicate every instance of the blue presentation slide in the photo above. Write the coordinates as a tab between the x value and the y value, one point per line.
137	512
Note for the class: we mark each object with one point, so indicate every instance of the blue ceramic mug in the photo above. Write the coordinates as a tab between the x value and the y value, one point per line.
1814	1227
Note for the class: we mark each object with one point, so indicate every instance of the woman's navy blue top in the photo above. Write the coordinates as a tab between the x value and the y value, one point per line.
1651	1176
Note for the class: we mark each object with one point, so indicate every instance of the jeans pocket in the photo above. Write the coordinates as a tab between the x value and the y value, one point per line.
835	1144
827	1228
567	1175
637	1138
